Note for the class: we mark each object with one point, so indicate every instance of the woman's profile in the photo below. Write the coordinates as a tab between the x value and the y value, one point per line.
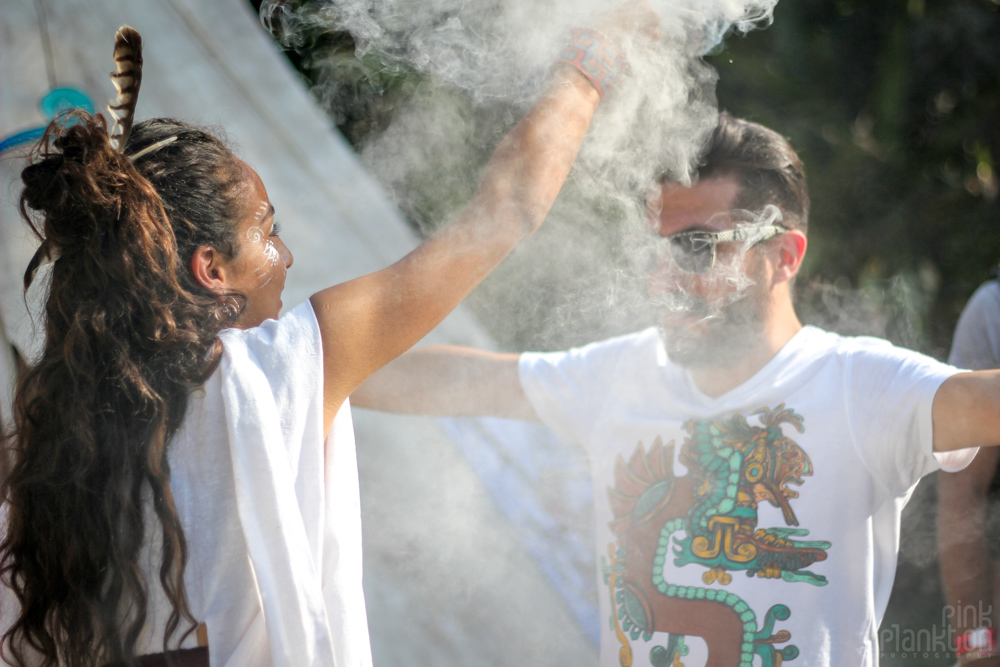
182	480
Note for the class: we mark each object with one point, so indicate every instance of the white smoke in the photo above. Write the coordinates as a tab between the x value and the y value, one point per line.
491	48
650	254
500	51
481	64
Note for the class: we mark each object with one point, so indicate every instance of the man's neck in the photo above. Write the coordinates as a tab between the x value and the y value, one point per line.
719	380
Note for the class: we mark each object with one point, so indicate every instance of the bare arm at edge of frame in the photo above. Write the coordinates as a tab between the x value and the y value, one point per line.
966	411
967	569
448	381
456	381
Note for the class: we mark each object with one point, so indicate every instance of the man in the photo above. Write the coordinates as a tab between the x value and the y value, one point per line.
698	430
967	499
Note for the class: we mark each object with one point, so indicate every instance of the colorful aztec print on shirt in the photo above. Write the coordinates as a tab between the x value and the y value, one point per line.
709	518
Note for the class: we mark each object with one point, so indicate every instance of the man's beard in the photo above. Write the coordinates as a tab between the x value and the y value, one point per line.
723	335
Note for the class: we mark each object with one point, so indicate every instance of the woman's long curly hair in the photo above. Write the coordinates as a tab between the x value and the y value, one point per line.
129	334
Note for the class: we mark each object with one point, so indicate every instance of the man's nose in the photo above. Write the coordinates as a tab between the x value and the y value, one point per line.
665	276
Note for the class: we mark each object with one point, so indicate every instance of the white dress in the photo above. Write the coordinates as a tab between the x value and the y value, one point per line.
270	511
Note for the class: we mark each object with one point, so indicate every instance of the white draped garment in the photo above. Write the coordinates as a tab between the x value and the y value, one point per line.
270	509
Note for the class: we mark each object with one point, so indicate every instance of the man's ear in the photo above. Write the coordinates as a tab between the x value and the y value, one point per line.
789	250
207	268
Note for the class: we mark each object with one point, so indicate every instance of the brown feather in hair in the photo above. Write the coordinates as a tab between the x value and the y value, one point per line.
126	77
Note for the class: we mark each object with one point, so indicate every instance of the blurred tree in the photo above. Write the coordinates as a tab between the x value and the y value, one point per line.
359	93
895	108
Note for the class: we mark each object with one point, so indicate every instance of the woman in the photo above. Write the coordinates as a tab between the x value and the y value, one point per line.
182	459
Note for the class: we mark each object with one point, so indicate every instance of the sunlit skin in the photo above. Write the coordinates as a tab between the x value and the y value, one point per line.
259	268
701	207
456	381
771	264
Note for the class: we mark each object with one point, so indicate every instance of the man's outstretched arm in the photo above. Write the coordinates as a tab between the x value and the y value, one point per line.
448	381
966	411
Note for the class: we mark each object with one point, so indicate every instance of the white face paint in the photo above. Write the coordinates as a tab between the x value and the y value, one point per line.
262	260
268	261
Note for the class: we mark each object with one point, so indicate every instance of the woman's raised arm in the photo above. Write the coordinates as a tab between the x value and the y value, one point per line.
369	321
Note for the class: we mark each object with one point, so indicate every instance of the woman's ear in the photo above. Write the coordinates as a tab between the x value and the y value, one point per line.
207	268
790	249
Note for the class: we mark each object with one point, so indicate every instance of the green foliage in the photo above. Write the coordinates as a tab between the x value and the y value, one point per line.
359	91
894	107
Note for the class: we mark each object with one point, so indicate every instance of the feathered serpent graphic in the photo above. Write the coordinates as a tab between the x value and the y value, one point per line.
126	77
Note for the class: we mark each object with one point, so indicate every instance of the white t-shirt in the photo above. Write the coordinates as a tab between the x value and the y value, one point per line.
977	334
797	478
270	512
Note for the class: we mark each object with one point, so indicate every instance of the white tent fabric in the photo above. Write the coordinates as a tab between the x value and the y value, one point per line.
447	581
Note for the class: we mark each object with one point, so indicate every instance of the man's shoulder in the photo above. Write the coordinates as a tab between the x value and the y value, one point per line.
637	341
984	304
989	290
866	349
645	339
976	344
611	357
